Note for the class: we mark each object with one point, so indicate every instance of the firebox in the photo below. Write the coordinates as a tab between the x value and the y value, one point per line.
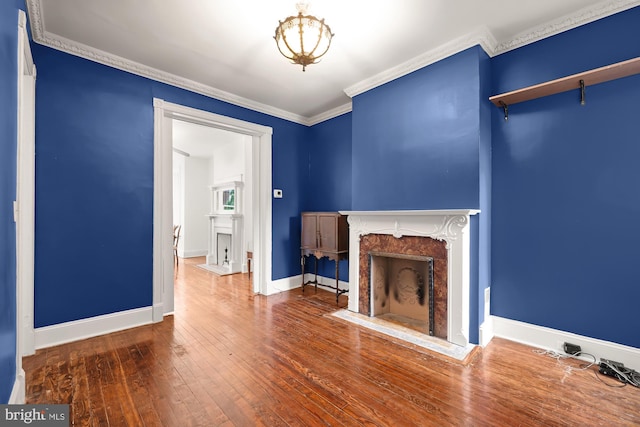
402	290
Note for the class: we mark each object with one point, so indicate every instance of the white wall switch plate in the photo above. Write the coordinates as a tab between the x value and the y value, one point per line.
277	194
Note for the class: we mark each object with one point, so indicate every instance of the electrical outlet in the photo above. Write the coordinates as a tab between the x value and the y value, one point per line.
571	348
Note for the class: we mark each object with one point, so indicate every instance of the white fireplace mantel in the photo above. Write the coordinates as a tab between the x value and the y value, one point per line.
228	224
450	226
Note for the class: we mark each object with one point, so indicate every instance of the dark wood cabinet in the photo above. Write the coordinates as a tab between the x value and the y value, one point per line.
324	235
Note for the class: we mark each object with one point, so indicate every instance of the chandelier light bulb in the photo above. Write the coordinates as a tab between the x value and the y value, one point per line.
303	39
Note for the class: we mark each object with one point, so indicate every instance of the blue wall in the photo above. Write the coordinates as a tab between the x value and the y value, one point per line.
94	190
553	182
416	139
8	155
328	170
484	217
423	141
328	166
565	187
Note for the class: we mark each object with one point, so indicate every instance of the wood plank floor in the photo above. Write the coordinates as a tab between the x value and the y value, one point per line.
232	358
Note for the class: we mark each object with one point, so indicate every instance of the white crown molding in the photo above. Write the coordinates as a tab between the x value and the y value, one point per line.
482	37
330	114
41	36
565	23
487	41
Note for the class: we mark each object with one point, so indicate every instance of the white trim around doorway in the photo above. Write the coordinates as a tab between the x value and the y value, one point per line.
163	266
24	207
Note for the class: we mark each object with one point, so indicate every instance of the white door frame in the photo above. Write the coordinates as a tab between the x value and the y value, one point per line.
163	264
24	206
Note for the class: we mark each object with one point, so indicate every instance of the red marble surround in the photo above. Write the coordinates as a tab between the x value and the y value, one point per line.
408	245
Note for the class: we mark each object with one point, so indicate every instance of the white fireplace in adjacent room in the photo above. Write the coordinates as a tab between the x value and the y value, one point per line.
439	234
225	228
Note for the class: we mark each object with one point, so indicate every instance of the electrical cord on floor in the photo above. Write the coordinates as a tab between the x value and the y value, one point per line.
559	357
599	377
624	375
567	368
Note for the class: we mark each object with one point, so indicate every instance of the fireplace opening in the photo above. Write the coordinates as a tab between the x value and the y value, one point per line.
223	248
417	259
401	289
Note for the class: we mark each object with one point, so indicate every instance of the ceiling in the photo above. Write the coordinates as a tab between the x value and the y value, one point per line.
202	141
225	48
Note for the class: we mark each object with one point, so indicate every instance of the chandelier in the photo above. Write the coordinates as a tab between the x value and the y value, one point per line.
303	39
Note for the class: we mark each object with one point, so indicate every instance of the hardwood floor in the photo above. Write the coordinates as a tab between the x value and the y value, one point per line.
232	358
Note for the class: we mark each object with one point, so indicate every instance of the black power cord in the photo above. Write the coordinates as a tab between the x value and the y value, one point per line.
609	368
620	372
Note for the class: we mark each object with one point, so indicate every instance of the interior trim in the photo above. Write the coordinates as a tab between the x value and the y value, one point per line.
43	37
163	263
17	396
76	330
553	339
482	37
565	23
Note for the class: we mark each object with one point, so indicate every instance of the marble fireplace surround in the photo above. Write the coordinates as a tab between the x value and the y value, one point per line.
450	226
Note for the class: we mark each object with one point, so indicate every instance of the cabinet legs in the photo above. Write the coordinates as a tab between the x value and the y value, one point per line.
337	280
315	280
310	282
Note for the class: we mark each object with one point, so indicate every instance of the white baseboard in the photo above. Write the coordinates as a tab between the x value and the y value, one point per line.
193	253
283	285
17	396
486	332
552	339
49	336
293	282
322	280
158	313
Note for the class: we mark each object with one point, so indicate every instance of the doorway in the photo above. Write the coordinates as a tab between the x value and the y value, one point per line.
163	264
211	169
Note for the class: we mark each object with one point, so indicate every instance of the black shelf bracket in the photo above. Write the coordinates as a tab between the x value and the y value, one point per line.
582	101
505	108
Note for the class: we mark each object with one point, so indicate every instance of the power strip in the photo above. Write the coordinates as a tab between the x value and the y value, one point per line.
618	371
611	368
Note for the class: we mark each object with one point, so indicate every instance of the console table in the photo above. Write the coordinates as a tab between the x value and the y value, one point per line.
324	235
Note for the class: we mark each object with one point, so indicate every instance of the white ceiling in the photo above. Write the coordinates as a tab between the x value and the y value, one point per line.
225	48
202	141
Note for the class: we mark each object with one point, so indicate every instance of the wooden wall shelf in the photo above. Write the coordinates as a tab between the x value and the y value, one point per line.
575	81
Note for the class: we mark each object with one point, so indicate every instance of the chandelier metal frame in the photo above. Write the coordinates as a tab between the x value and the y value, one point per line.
304	23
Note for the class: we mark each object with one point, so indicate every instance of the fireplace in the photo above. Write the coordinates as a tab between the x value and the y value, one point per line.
225	243
419	246
223	248
226	227
407	286
401	290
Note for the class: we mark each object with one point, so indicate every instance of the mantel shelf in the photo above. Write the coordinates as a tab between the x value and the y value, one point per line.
575	81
